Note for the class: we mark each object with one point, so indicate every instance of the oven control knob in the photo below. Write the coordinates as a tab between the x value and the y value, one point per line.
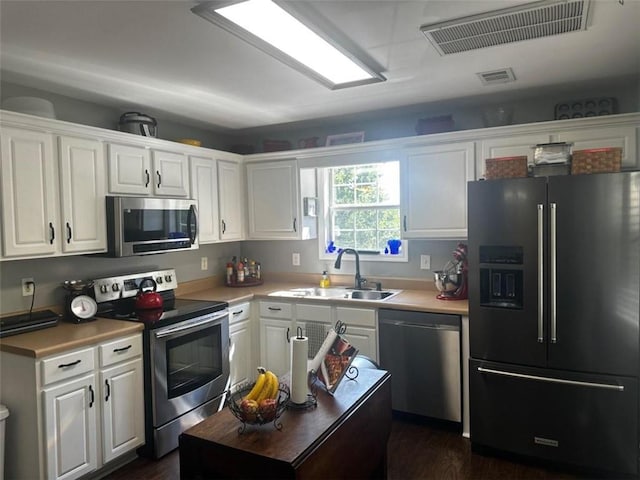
167	278
104	288
115	287
159	280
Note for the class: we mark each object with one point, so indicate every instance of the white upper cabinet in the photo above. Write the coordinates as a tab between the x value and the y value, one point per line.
135	170
129	170
581	138
30	206
42	216
231	199
273	200
82	194
170	174
511	146
204	189
601	137
275	192
433	183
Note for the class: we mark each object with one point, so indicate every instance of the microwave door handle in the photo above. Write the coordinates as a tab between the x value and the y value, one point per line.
193	219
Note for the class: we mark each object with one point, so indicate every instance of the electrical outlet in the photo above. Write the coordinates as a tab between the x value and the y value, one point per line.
204	263
425	262
27	287
295	258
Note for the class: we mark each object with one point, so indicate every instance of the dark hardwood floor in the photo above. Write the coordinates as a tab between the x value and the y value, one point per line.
417	450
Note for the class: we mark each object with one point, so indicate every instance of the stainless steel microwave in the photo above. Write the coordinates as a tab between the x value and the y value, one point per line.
142	226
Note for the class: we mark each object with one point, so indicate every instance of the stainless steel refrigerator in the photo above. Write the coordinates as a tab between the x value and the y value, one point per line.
554	289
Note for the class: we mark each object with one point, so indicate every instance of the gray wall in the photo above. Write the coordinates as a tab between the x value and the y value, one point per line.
103	116
528	107
275	256
49	273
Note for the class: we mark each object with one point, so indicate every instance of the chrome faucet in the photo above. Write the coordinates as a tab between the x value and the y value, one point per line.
359	279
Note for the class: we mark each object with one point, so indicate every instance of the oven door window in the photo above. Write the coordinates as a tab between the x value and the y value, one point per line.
193	360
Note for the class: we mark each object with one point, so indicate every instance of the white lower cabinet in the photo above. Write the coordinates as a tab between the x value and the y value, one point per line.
92	406
70	428
279	322
276	324
241	363
362	330
122	410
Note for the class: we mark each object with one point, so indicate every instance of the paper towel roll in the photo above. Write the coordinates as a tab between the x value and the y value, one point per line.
299	354
322	351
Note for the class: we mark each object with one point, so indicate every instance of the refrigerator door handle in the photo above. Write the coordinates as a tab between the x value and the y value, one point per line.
606	386
540	273
552	270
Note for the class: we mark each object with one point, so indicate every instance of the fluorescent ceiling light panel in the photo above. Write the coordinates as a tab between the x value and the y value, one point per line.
273	29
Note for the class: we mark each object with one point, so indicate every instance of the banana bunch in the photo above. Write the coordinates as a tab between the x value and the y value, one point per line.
266	386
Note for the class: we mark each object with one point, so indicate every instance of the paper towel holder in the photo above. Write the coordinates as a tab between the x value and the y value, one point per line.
311	400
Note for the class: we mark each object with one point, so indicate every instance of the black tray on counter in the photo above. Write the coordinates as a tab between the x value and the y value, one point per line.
27	322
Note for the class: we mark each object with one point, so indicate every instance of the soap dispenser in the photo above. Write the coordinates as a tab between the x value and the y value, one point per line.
324	281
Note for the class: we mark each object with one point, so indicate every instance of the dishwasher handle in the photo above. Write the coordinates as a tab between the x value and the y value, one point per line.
429	326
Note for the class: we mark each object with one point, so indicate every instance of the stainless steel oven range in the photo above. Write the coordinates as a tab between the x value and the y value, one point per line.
186	354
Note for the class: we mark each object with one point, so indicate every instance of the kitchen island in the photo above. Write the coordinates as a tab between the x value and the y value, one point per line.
345	436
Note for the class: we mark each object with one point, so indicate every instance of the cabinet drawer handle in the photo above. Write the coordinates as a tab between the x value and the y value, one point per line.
123	349
295	228
404	222
288	339
93	396
224	226
52	233
68	233
65	365
106	398
159	178
238	312
275	309
146	172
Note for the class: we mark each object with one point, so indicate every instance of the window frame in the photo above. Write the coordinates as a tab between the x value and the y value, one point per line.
324	220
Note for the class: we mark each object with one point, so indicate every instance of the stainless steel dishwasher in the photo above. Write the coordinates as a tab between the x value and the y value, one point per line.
422	353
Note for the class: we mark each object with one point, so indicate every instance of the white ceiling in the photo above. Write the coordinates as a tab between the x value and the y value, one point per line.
157	56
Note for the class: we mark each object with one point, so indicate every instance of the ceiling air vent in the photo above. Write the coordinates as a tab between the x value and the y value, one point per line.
498	27
497	76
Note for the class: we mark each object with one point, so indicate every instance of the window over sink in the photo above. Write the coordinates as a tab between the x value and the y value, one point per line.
361	211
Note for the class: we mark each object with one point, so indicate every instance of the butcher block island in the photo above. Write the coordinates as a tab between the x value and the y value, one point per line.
344	436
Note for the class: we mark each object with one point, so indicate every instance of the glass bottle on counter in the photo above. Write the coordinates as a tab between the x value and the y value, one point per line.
240	272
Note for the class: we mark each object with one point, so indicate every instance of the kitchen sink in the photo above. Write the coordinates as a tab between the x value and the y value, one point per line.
371	294
345	293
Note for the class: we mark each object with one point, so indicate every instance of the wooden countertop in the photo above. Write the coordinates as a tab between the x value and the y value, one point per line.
67	336
416	296
409	299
